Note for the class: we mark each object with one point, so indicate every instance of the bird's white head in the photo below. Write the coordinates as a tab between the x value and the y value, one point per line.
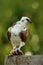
25	19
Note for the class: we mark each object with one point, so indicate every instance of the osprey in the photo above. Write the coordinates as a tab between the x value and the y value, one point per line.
18	34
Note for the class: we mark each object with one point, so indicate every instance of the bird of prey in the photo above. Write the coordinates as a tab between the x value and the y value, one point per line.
18	34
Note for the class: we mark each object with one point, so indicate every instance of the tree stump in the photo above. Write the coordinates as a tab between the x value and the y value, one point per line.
24	60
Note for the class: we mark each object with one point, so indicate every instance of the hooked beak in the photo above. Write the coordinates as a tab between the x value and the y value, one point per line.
29	20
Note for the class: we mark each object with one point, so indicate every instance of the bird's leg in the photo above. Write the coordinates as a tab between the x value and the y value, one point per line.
21	44
13	52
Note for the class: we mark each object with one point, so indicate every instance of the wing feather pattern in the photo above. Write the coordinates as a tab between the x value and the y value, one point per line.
23	35
8	35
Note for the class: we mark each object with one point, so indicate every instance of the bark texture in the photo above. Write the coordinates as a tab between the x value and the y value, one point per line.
24	60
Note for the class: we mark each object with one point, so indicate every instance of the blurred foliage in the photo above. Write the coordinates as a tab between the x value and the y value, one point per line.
10	12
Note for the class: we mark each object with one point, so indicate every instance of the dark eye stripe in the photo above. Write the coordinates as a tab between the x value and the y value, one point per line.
27	19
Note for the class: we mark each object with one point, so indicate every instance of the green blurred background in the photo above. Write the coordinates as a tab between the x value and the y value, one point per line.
10	12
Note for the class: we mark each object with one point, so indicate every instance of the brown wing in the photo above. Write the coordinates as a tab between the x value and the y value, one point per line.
23	35
8	35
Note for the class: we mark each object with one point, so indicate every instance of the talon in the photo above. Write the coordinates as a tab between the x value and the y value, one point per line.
10	55
19	52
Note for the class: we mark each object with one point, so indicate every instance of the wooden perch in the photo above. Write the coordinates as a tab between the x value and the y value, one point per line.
24	60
